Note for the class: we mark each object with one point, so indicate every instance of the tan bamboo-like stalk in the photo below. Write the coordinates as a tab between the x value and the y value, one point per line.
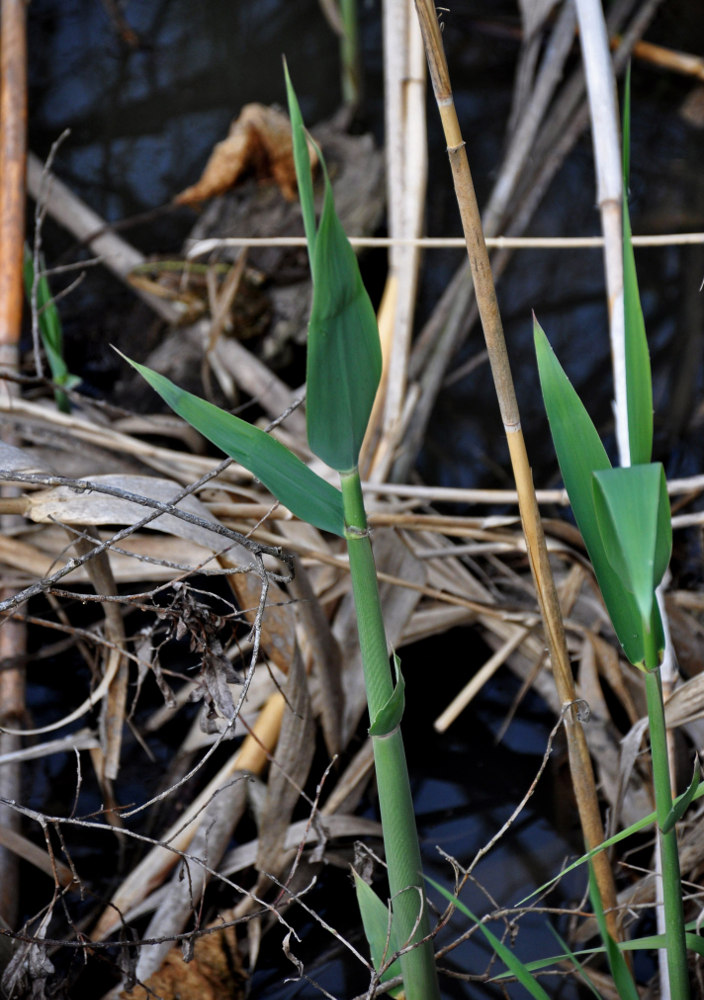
580	762
13	145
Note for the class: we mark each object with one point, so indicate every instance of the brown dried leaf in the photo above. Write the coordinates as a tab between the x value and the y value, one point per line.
259	143
214	973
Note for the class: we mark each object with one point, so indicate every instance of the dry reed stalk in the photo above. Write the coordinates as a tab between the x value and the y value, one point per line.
601	90
13	150
580	762
455	312
406	177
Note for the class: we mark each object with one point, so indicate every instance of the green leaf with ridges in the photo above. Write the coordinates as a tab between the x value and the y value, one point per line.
379	931
633	513
389	715
580	453
301	159
344	351
291	481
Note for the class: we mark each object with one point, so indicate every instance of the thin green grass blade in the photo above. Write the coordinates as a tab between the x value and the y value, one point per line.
626	131
623	979
297	487
510	960
344	351
639	391
379	932
301	159
640	824
680	807
633	511
579	969
638	376
652	942
580	453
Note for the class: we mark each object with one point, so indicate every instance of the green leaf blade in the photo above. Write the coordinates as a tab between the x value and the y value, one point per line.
344	351
639	389
680	807
632	510
511	961
301	159
619	968
580	453
378	930
306	494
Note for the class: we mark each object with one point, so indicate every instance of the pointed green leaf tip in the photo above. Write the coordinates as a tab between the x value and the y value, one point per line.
301	159
639	389
344	352
580	454
291	481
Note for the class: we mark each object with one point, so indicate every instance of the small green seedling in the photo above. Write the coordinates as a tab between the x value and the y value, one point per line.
343	373
50	331
624	517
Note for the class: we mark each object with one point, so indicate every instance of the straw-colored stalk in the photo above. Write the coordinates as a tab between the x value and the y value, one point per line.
13	114
580	762
601	89
406	158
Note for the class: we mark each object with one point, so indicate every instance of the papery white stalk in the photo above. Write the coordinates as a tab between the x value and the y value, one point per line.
601	88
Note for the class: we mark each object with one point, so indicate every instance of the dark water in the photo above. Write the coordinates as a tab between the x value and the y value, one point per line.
142	123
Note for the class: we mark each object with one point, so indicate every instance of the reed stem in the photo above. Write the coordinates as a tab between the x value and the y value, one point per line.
411	920
676	946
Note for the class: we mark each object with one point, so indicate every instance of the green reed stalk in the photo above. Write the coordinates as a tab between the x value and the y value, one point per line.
677	971
410	913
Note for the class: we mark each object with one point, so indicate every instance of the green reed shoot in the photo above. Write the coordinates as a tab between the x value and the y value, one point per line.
624	517
343	373
50	330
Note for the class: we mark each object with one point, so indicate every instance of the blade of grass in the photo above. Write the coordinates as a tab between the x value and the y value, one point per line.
638	376
617	963
291	481
579	968
511	961
580	454
379	931
633	514
301	159
629	831
344	352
